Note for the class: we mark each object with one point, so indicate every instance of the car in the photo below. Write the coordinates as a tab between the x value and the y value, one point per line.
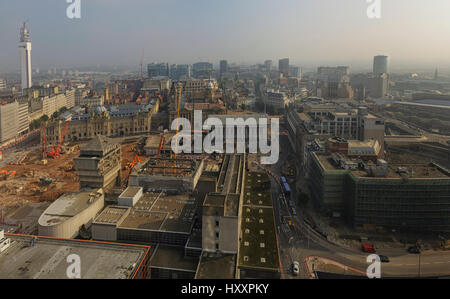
384	259
295	268
414	250
369	248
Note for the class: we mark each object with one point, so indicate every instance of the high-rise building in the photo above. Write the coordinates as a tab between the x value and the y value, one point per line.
268	65
378	85
25	55
158	69
203	70
295	71
380	65
283	67
223	66
180	71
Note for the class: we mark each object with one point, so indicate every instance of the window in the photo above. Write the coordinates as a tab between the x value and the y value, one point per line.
217	235
217	223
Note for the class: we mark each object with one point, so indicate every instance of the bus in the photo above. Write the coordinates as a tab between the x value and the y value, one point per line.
286	189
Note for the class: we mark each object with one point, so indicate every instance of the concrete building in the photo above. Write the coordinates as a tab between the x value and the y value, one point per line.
180	71
156	218
378	86
2	84
98	165
258	248
165	175
380	65
276	99
53	103
221	211
268	65
70	98
392	196
158	70
283	67
130	196
93	102
9	121
46	258
23	123
64	217
25	56
202	70
223	67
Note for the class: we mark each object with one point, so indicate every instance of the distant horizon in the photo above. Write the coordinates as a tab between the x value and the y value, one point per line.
310	33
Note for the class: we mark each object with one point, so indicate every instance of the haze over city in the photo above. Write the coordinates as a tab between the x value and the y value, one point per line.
240	141
115	32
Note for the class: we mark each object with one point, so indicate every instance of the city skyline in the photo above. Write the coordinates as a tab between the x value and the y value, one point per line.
305	34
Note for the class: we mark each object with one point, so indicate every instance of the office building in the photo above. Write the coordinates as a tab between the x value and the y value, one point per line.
283	67
378	86
8	120
180	71
158	70
203	70
380	65
223	67
268	65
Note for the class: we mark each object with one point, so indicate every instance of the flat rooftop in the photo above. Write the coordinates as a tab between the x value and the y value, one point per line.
229	202
130	191
172	257
258	247
159	212
167	167
47	259
419	171
111	215
216	266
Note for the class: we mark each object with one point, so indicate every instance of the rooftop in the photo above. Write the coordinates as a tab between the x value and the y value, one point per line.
216	266
258	247
159	212
130	191
167	167
111	215
100	145
172	257
68	206
47	259
417	170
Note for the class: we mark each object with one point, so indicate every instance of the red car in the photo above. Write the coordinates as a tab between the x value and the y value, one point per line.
368	248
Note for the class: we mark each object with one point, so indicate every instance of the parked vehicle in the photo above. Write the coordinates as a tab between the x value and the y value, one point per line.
369	248
414	250
384	259
295	268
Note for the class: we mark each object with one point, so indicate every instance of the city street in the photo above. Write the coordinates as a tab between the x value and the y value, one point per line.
298	241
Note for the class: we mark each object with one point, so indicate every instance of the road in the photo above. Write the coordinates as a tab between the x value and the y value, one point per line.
299	241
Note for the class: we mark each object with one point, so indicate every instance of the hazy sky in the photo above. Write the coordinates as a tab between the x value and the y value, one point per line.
310	32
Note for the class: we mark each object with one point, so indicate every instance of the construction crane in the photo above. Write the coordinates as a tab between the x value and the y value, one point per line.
161	143
55	153
133	163
44	149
